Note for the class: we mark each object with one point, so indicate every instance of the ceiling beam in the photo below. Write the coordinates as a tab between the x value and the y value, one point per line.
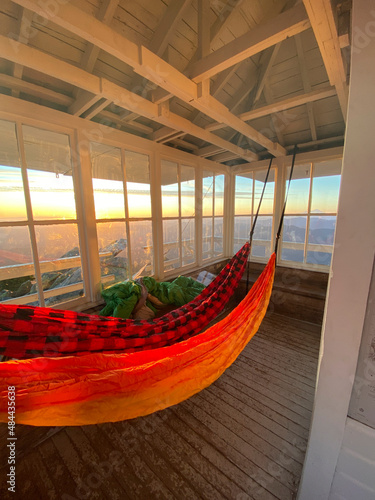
44	63
306	85
203	31
261	37
282	105
151	66
83	102
96	109
267	61
323	24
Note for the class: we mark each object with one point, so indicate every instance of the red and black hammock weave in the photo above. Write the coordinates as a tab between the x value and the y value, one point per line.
30	332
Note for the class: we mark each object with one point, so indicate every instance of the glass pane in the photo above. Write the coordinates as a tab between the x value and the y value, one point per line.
9	154
262	237
243	195
107	181
12	198
52	195
138	184
16	268
169	189
269	192
60	261
294	233
207	238
218	236
113	252
292	255
187	191
322	230
171	247
326	187
241	231
50	173
320	258
142	256
188	241
208	187
298	197
294	229
219	194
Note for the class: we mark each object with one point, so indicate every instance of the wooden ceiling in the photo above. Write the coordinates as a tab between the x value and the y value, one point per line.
230	80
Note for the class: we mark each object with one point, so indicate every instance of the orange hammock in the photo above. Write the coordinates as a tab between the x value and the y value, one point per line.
98	388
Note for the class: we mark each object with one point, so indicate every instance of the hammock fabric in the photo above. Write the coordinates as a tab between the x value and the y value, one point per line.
110	387
29	332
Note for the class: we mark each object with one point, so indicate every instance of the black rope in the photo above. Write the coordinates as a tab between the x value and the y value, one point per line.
285	201
254	222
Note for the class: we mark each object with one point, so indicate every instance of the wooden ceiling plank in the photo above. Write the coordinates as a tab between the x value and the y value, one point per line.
276	122
261	37
24	32
221	23
306	85
167	26
323	24
267	61
151	66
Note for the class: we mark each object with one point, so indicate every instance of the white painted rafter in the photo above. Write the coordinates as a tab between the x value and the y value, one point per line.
323	24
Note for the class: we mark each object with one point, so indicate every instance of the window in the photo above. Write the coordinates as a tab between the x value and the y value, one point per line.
178	212
121	185
213	215
40	256
248	191
310	215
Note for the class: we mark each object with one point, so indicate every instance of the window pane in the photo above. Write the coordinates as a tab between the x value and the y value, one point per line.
142	259
9	154
320	258
187	191
169	189
50	174
269	191
241	231
294	229
171	247
207	238
60	261
113	252
322	230
12	200
16	269
12	204
298	197
188	241
218	236
294	233
138	184
326	186
208	186
219	194
107	181
262	237
243	195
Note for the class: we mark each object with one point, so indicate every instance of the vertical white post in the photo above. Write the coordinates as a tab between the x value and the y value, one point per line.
352	262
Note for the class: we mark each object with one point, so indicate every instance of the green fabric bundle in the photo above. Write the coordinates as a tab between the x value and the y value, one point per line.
121	298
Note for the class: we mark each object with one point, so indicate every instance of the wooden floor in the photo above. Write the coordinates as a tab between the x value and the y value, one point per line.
242	438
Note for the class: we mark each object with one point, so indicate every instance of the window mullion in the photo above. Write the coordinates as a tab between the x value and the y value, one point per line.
308	216
127	223
34	247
